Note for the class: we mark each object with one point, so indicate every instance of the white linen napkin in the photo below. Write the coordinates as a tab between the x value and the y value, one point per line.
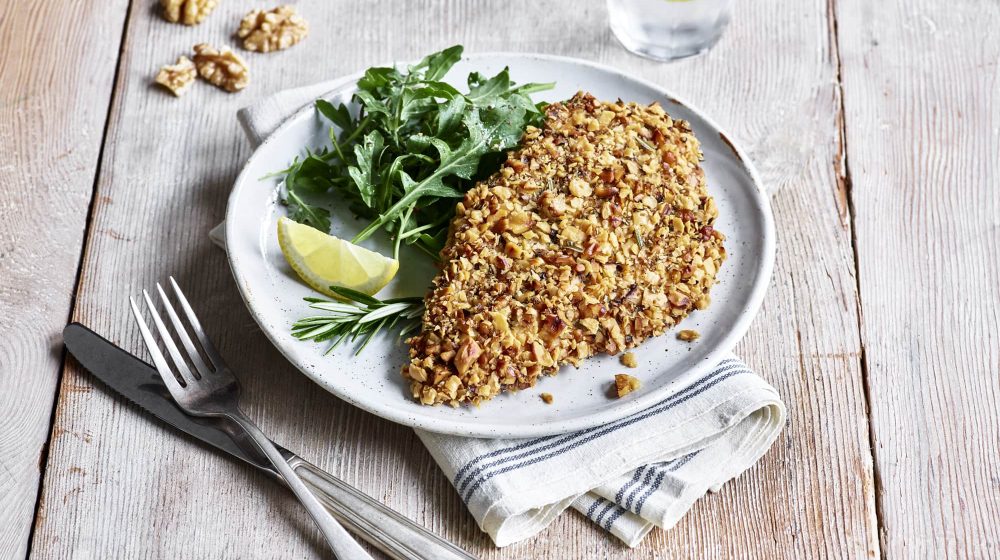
627	476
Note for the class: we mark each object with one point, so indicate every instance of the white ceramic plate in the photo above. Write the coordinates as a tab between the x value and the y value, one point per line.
372	380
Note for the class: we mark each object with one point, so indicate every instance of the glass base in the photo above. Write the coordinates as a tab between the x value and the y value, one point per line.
663	53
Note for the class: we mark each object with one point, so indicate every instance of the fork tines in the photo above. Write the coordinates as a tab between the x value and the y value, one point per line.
182	375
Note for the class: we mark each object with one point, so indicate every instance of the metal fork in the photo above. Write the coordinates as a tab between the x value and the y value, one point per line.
215	392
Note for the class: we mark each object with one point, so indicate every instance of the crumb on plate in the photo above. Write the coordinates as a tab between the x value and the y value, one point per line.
688	335
625	384
628	360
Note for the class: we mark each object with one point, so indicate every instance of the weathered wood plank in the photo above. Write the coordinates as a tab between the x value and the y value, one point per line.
118	482
56	72
923	134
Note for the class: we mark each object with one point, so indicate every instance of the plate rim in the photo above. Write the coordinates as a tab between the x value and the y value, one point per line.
464	427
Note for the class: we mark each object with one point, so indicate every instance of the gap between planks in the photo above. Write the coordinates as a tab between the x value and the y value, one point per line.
845	185
43	459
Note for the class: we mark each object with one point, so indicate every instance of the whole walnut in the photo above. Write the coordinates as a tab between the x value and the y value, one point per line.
272	30
221	67
188	12
177	77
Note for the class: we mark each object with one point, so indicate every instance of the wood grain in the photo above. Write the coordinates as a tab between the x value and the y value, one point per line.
117	482
56	72
922	102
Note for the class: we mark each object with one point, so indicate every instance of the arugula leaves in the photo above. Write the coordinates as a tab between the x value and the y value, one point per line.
415	146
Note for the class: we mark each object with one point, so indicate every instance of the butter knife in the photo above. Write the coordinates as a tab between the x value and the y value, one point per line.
137	381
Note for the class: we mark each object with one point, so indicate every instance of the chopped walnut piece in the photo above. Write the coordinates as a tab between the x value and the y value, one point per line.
547	397
589	240
467	354
177	77
451	386
688	335
417	373
188	12
272	30
625	384
222	67
628	360
428	395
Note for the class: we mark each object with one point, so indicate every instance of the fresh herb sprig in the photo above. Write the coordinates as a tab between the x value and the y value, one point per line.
415	146
362	319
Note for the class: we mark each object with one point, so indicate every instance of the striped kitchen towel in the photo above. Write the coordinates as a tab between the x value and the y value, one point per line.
628	476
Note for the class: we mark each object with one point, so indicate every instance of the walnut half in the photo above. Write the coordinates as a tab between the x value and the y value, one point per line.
177	77
188	12
222	67
272	30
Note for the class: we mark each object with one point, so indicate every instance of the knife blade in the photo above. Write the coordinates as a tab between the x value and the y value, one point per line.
141	384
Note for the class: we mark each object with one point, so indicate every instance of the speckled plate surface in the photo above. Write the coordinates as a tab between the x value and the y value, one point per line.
372	380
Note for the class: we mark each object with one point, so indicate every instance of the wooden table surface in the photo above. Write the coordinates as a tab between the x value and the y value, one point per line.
875	125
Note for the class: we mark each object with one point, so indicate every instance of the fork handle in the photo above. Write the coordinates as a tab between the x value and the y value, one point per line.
390	532
343	545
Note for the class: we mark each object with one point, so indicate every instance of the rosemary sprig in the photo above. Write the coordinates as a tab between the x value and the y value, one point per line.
363	318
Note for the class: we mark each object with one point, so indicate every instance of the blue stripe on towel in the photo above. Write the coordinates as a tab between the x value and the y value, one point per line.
660	470
645	482
474	478
579	438
491	454
635	478
652	470
593	507
676	465
655	474
724	365
608	506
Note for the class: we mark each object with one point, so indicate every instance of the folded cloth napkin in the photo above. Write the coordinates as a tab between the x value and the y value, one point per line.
627	476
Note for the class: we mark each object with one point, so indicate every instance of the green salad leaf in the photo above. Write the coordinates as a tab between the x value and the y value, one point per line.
414	146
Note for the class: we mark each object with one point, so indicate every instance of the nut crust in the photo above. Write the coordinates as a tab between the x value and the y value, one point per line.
594	236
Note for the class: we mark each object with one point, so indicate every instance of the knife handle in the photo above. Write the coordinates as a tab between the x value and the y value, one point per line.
384	528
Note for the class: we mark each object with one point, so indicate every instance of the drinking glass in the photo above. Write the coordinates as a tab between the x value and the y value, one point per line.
668	29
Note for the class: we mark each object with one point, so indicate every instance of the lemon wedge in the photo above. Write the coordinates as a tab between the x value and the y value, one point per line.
323	260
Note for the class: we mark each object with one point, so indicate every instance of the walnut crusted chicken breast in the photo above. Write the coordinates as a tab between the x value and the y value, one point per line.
594	236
